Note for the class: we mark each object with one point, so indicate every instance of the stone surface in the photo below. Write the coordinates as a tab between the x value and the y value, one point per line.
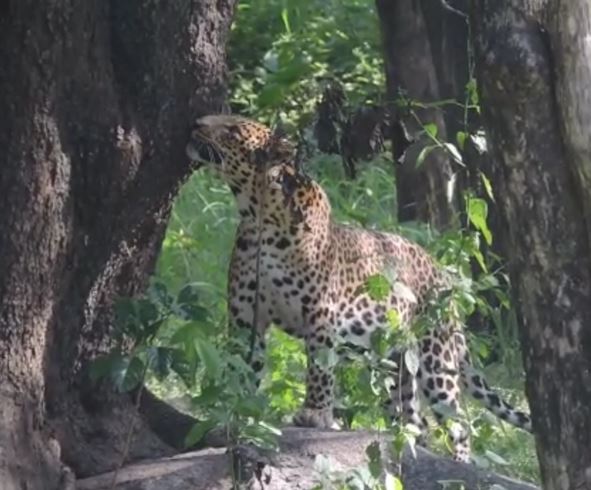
293	467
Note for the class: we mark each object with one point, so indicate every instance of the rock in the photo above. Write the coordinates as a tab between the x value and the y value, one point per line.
293	467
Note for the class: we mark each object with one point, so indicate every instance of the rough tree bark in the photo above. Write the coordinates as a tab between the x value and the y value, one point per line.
96	98
534	70
421	194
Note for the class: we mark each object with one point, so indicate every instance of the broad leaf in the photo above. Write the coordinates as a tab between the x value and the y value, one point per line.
477	213
209	356
127	373
374	455
198	431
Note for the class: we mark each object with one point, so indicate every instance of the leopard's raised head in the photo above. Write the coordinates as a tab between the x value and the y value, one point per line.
255	162
236	146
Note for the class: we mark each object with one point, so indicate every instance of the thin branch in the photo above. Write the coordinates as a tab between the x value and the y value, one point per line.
129	436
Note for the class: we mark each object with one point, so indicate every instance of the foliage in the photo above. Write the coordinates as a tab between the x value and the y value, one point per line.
171	334
282	52
372	476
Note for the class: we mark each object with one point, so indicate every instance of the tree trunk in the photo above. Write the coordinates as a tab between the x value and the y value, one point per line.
534	70
426	194
96	98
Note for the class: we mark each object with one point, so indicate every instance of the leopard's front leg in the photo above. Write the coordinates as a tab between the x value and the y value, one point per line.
318	405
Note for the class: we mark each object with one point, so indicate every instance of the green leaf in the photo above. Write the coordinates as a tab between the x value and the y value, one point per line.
210	357
393	318
198	431
424	154
487	186
477	254
159	292
461	139
185	334
392	483
160	360
187	295
127	373
431	129
285	19
251	407
192	312
374	455
147	312
126	316
377	287
326	358
472	90
477	213
210	394
271	95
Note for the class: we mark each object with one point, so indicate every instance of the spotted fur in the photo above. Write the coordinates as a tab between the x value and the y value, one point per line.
311	272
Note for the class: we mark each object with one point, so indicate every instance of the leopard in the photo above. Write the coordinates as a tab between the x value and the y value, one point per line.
295	267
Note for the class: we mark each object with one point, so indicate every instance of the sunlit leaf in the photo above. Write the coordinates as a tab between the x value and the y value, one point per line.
431	129
392	483
285	19
393	318
424	154
487	186
461	139
455	153
377	287
477	214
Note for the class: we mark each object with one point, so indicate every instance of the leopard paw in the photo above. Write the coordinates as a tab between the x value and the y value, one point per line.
321	418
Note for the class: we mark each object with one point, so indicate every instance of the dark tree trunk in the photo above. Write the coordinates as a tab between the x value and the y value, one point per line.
422	194
534	71
95	100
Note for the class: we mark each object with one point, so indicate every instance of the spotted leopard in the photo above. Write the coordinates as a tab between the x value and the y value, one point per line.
310	276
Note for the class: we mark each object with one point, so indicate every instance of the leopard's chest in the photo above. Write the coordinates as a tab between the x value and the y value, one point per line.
293	286
289	286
